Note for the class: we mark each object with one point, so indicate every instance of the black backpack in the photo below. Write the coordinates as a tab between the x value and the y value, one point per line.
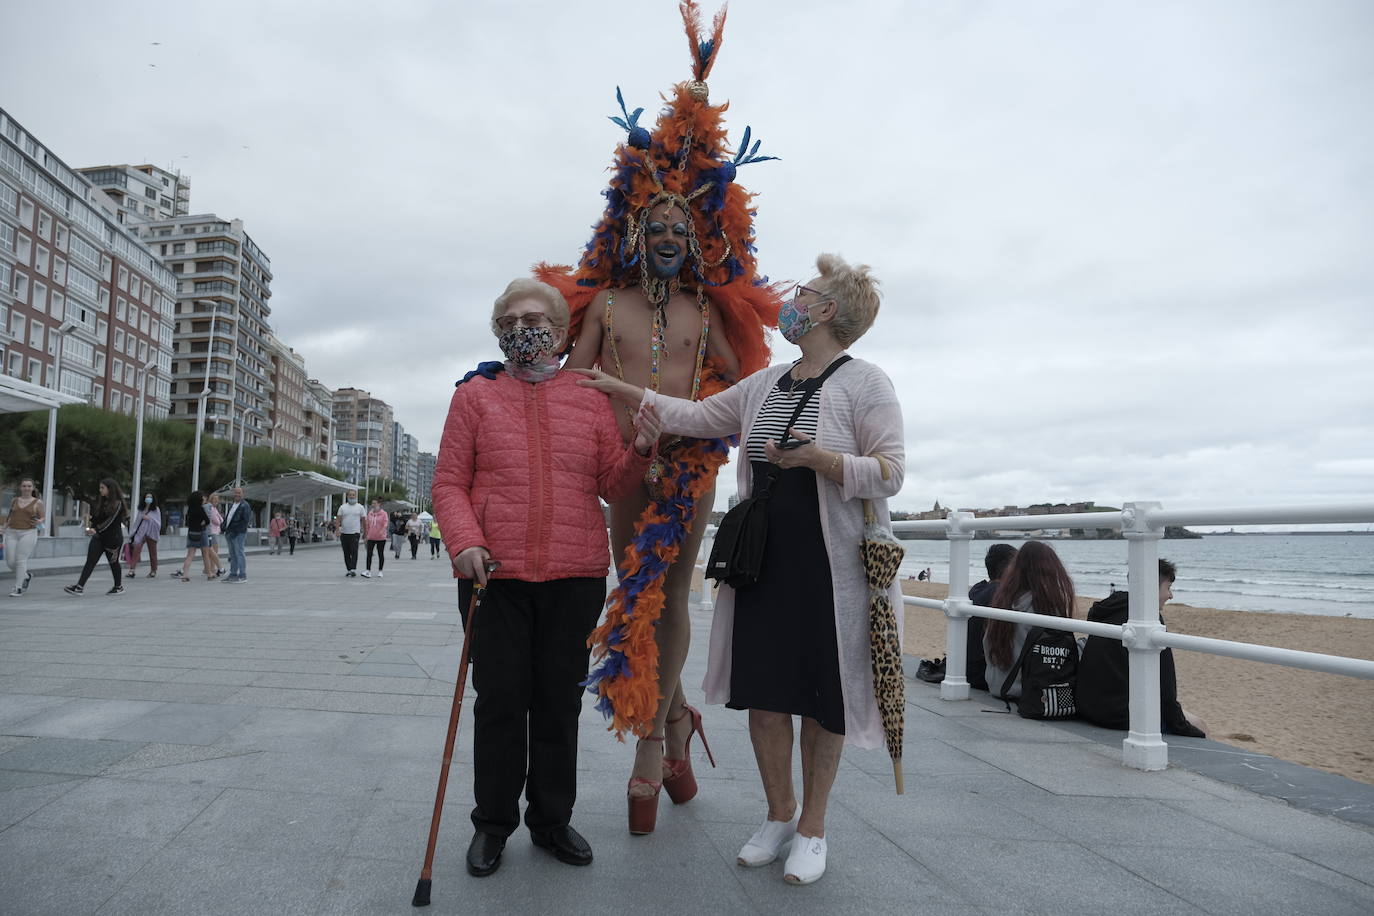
1049	675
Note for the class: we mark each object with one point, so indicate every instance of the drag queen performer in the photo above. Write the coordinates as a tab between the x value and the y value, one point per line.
666	296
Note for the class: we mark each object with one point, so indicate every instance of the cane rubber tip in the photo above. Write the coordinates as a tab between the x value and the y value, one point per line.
421	897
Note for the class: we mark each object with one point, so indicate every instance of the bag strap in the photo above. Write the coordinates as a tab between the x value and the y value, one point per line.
1031	637
774	470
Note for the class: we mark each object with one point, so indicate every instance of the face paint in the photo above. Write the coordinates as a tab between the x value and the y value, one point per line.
525	346
665	242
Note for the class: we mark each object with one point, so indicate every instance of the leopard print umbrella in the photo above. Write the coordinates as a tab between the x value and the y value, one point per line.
882	556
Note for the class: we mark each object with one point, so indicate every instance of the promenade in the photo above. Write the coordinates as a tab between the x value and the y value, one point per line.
273	748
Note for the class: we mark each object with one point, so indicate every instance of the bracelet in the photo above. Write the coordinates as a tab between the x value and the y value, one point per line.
834	462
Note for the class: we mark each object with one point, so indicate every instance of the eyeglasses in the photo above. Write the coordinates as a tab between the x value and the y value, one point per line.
529	320
796	293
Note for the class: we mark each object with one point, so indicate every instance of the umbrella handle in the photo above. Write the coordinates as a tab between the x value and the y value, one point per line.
897	775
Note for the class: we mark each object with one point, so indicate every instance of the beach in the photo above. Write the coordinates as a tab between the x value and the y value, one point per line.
1319	720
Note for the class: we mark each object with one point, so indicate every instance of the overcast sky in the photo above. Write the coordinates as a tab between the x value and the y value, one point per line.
1127	248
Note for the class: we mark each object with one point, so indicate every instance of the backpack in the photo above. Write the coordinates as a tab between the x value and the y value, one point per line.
1049	674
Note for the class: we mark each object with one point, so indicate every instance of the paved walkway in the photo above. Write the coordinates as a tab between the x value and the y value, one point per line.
272	748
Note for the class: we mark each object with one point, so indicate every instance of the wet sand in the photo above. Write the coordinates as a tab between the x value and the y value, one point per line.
1319	720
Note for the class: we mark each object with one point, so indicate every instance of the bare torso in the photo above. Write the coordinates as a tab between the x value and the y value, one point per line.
629	338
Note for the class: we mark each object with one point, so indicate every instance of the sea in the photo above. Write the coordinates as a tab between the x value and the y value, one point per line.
1326	574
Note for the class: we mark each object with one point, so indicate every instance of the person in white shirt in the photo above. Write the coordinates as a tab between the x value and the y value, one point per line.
350	521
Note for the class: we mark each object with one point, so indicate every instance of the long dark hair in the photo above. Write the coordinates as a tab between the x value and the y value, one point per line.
194	498
149	507
112	501
1035	570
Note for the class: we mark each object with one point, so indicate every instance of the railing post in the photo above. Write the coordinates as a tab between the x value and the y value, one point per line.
955	684
1143	747
703	556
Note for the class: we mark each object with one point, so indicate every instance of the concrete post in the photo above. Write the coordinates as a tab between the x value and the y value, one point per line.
1144	747
955	685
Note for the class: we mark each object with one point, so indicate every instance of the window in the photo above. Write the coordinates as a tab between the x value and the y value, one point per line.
164	249
128	403
7	237
134	284
35	372
59	271
36	334
121	305
21	286
128	374
40	261
23	247
17	325
150	193
26	212
123	278
98	394
178	248
44	225
40	296
119	339
117	369
9	199
142	352
60	238
58	305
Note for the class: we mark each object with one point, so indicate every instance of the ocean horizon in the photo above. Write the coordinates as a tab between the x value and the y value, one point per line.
1330	574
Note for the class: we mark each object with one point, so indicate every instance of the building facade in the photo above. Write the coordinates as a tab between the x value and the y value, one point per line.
221	341
287	405
361	418
141	193
349	458
72	277
424	480
318	421
404	449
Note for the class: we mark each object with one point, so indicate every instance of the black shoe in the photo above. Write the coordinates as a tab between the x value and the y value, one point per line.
566	844
73	589
931	670
484	854
117	590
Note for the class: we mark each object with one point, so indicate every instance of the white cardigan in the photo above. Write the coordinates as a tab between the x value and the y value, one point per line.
860	418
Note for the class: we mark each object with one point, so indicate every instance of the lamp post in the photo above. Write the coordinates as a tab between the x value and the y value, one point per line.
63	330
204	394
144	372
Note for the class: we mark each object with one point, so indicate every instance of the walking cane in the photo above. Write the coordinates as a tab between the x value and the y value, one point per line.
421	897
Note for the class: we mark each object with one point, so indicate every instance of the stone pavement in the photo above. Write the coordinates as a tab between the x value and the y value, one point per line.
273	747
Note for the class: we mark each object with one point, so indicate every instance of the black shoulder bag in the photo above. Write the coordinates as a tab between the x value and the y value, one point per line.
737	553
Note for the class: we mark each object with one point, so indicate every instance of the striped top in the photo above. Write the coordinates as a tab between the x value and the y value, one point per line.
777	409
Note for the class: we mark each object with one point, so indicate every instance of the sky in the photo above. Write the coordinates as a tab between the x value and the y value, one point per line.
1126	249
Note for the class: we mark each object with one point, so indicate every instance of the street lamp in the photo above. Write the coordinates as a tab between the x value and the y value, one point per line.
63	330
144	372
204	394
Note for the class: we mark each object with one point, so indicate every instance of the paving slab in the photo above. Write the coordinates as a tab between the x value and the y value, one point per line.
279	753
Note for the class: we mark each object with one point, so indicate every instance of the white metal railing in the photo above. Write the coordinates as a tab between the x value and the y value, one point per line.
1142	525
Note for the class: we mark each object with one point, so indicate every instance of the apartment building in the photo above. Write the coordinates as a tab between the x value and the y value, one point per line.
404	449
141	193
363	419
424	479
72	277
349	458
221	341
288	395
318	420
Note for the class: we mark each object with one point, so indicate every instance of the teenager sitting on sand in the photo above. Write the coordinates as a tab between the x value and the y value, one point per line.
1103	691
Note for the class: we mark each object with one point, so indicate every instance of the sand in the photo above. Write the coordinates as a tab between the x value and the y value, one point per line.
1319	720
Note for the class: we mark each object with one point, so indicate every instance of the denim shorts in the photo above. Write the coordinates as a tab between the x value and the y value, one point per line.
195	539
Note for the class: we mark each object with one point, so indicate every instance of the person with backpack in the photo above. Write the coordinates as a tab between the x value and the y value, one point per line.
1033	665
398	532
1104	671
107	535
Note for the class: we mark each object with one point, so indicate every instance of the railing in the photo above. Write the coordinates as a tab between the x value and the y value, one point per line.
1142	525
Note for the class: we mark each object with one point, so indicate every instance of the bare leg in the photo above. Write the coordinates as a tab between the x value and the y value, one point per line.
771	733
820	756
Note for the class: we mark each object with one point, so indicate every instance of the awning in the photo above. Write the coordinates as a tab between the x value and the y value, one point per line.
19	396
295	487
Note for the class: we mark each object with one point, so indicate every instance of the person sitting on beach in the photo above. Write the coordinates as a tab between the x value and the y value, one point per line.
997	559
1103	692
1035	583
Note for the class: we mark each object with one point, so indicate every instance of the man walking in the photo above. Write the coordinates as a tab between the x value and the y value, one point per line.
350	523
235	529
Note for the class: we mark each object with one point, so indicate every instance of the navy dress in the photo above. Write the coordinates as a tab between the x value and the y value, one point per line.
785	654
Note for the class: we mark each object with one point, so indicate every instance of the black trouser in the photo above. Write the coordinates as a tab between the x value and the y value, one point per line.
292	539
433	547
349	542
414	545
94	551
529	659
380	547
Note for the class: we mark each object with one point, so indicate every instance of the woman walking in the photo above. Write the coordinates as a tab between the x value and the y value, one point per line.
21	534
197	520
434	538
414	529
375	528
107	534
293	532
796	643
210	553
276	530
147	530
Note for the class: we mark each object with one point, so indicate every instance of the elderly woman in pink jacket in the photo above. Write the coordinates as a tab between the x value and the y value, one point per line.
796	643
525	455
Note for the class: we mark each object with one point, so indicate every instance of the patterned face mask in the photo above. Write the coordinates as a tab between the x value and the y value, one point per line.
527	347
794	321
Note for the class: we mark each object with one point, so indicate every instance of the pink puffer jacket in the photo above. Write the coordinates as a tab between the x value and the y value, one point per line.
519	471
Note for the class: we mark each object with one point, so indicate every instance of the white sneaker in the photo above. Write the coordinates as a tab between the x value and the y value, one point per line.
379	574
806	861
365	574
16	593
763	847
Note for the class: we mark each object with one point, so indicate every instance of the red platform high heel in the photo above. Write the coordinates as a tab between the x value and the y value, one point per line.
678	777
643	809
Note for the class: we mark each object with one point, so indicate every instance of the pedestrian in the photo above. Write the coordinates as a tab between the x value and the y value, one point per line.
414	532
276	530
106	532
147	529
349	523
377	525
293	533
21	534
236	520
398	532
210	554
434	539
197	531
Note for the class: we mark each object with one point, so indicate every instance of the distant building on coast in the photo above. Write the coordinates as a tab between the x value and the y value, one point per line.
424	475
360	418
